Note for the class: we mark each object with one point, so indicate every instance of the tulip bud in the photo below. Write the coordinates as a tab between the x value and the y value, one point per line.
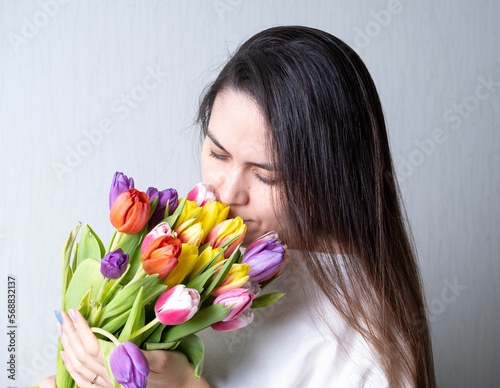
192	235
269	236
189	211
240	314
119	184
114	264
130	211
265	259
177	305
213	213
165	196
160	257
202	193
236	278
162	229
226	231
129	365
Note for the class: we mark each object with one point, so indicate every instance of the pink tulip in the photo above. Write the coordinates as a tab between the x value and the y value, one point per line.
202	193
244	319
162	229
240	314
177	305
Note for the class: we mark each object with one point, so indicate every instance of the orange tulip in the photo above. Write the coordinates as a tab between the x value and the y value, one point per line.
160	257
130	211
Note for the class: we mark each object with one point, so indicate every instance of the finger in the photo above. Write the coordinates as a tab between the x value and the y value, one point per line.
48	382
100	379
81	363
87	336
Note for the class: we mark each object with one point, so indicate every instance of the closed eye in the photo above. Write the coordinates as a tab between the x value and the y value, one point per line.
217	156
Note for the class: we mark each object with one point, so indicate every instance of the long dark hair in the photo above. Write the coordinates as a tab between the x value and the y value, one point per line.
328	139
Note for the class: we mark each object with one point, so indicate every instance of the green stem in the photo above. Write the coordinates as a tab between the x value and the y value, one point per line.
139	275
101	290
116	241
145	328
106	334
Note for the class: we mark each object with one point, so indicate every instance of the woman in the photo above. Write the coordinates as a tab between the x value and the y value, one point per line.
295	141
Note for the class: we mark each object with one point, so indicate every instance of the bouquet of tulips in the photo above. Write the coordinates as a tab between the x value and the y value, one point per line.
173	267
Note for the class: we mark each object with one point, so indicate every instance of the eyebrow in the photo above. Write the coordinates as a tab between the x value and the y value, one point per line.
264	166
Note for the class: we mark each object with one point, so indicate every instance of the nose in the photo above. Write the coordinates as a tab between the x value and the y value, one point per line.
231	189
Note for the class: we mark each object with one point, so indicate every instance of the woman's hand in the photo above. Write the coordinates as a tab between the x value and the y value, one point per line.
82	353
83	358
172	369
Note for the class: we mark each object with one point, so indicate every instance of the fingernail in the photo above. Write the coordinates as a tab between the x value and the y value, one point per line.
63	355
59	328
72	314
58	316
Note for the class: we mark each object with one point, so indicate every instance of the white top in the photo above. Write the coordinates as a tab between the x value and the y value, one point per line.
288	346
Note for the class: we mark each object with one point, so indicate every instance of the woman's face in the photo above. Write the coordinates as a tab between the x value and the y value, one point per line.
235	162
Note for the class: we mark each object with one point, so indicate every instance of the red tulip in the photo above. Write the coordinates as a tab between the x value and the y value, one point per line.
130	211
160	257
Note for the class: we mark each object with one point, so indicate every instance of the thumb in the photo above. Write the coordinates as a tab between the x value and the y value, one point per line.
157	359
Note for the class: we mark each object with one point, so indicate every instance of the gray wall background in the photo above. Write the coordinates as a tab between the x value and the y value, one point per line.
66	68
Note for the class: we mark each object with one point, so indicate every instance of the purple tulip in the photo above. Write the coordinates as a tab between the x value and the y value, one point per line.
129	365
266	260
114	264
167	195
119	184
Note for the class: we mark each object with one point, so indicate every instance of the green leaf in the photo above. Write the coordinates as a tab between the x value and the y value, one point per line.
111	286
65	258
152	292
125	298
90	246
84	306
199	281
161	345
201	320
107	348
115	323
153	335
87	275
152	207
172	220
194	349
267	299
129	242
133	318
135	265
221	275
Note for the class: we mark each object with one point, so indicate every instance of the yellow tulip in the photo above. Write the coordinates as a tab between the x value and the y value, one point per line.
226	231
208	254
213	213
189	212
187	260
236	277
192	235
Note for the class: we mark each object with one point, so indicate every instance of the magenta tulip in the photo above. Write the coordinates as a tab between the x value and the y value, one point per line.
177	305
